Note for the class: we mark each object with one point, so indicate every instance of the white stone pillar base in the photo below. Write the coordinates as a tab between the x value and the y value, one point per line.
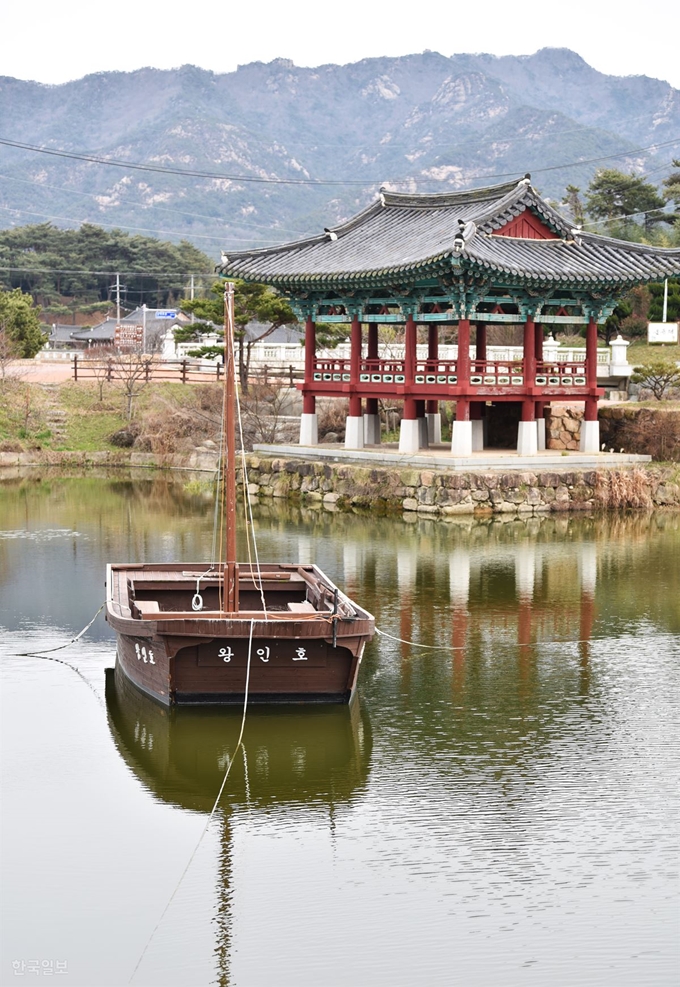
527	439
540	426
354	432
590	437
461	440
434	427
309	430
409	435
477	434
372	430
423	442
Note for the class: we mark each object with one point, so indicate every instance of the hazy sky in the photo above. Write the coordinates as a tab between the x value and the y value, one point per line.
55	42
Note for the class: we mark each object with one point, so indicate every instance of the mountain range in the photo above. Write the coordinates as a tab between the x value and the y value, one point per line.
423	122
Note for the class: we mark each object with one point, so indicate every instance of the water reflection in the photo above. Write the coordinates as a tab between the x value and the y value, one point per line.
316	758
508	779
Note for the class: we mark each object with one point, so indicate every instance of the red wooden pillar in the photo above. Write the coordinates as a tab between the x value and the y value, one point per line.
309	401
591	353
527	433
462	410
463	369
529	351
372	354
372	341
529	354
461	438
480	353
432	354
355	366
591	369
539	407
410	341
463	362
538	343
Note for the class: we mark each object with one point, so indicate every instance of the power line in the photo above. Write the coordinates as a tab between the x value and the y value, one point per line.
160	275
190	173
135	229
156	208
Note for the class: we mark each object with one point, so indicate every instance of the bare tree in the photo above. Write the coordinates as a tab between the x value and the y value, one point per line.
262	410
99	365
132	372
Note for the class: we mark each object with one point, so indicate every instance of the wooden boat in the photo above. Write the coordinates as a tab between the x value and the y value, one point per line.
209	633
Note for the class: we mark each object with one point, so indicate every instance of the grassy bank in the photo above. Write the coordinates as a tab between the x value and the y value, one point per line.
167	417
171	419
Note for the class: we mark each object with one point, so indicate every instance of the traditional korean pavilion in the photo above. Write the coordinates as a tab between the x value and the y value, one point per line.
466	259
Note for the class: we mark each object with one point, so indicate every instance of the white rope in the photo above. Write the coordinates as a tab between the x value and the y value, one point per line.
212	811
49	651
464	647
247	501
414	644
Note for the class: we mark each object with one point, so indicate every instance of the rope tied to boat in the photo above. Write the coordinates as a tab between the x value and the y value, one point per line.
197	601
49	651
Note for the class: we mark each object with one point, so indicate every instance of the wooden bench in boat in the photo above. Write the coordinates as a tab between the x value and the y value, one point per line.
305	607
242	615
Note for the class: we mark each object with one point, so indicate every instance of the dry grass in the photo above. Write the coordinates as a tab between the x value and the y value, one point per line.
649	431
623	488
331	417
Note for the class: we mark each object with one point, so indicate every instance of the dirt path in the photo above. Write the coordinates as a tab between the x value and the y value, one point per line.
41	372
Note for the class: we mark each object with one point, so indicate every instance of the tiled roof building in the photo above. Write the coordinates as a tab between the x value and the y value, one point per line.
472	259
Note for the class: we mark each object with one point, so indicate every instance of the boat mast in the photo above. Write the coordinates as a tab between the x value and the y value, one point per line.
230	564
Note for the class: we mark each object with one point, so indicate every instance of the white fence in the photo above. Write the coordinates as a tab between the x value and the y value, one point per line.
611	360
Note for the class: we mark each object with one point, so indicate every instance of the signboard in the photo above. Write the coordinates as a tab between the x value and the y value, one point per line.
128	335
166	313
662	332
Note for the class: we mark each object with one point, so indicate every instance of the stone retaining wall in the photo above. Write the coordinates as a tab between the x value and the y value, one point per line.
445	494
563	427
414	492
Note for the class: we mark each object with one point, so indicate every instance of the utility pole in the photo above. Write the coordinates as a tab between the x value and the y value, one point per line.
117	299
192	295
144	328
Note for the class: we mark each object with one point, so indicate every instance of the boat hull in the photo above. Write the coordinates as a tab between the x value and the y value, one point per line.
278	657
198	673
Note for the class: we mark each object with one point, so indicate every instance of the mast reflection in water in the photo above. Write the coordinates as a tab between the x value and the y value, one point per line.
315	756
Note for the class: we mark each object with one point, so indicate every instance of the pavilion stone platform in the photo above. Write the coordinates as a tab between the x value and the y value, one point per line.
441	457
445	272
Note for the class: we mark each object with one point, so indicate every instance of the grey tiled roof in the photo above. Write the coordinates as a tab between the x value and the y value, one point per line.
104	331
406	235
61	333
282	334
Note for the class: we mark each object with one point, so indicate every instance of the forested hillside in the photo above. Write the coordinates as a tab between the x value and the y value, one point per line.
71	273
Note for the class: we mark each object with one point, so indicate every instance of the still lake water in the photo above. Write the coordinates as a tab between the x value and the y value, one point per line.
497	808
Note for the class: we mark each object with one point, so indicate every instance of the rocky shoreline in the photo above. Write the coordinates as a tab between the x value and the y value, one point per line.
443	493
437	493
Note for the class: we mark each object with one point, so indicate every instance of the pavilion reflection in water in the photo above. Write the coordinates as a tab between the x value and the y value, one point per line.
519	595
309	757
